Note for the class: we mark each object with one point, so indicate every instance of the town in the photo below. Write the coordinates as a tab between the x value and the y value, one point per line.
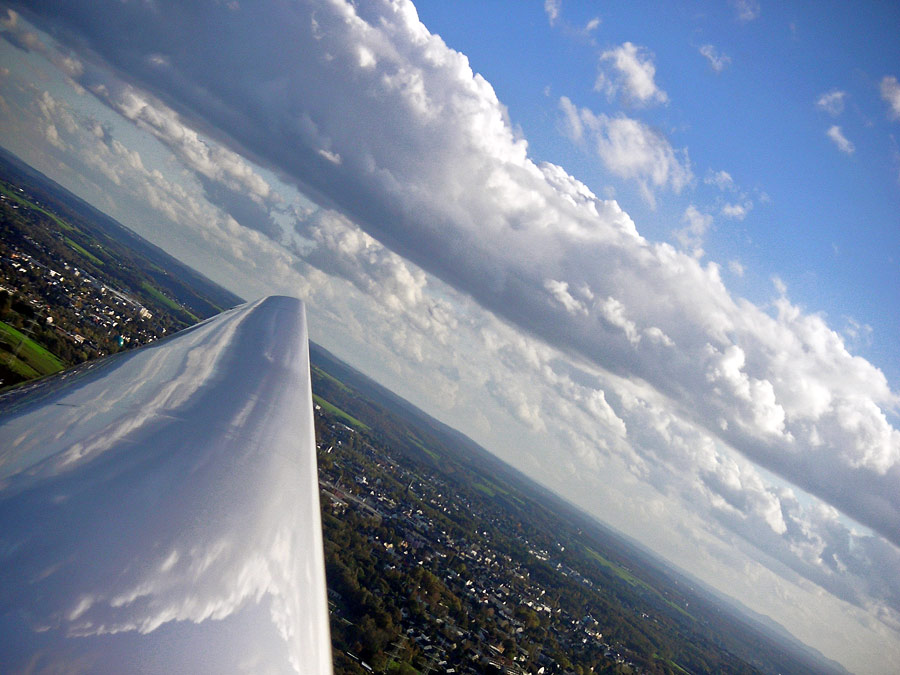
72	298
455	595
71	292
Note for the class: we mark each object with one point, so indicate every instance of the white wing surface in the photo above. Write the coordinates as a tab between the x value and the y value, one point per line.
159	510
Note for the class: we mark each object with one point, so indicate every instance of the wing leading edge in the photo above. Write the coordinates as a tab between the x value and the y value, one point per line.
159	510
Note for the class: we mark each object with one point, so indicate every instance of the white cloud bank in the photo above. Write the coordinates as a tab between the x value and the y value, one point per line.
433	182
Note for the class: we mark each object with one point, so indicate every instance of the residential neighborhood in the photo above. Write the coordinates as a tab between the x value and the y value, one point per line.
477	607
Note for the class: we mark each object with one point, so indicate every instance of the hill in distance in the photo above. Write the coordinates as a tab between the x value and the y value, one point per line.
75	284
159	271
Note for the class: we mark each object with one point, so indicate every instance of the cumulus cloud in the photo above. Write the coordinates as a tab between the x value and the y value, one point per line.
717	60
837	137
343	249
633	75
158	206
890	92
209	160
629	148
560	292
832	102
18	36
9	20
55	116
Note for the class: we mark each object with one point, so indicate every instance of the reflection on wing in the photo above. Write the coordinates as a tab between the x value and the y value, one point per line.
159	510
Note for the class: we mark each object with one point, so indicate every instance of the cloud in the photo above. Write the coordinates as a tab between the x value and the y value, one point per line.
560	292
746	10
737	211
837	136
856	332
552	7
779	285
633	77
832	102
25	40
691	236
742	204
717	60
156	205
332	157
614	313
209	160
629	149
342	249
890	92
9	20
721	179
592	25
15	32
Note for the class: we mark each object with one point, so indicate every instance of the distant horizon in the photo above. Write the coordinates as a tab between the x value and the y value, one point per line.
647	255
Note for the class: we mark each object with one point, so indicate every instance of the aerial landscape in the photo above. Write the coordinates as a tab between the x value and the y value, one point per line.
438	555
602	305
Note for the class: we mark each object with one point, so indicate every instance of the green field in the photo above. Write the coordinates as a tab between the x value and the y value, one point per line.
491	489
24	356
484	488
330	378
168	302
628	577
334	410
415	441
674	665
619	571
21	200
83	251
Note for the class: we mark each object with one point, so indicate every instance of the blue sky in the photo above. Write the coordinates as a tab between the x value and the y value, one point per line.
646	253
